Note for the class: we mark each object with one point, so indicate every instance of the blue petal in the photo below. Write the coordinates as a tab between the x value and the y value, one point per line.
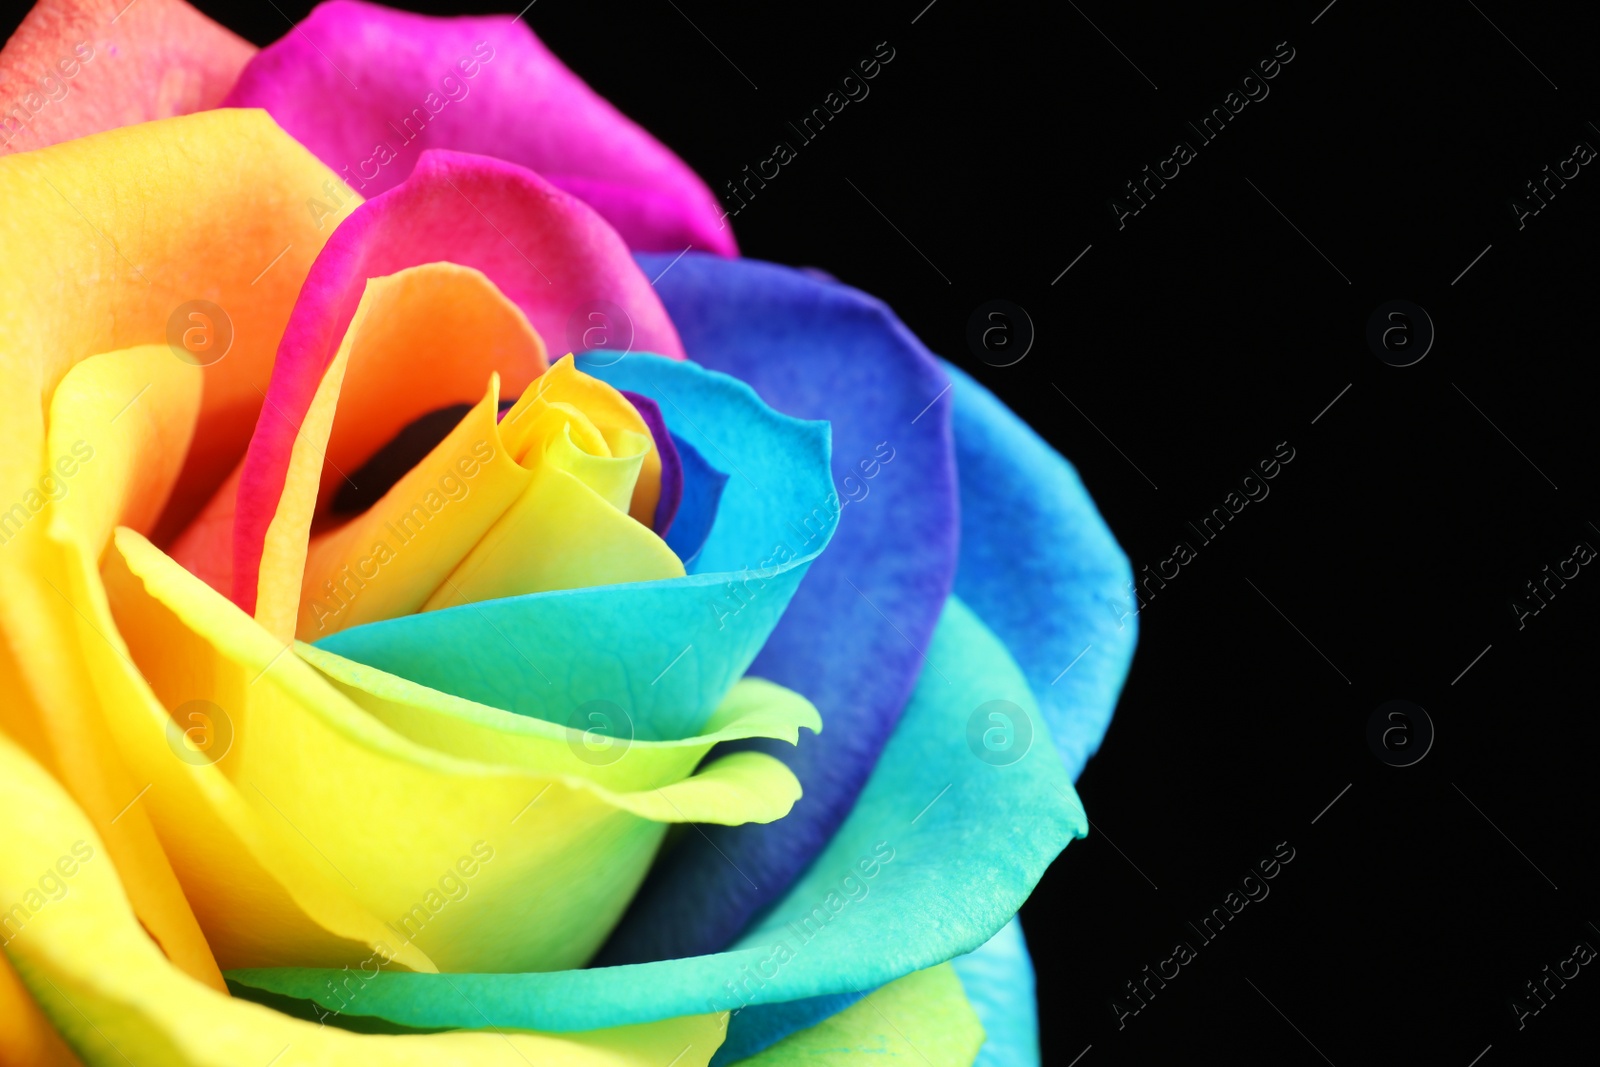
546	654
940	850
998	979
850	640
1039	566
697	507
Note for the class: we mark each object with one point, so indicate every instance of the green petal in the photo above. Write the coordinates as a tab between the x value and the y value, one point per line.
955	844
444	723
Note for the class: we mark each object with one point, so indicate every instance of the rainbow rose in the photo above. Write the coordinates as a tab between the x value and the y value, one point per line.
455	611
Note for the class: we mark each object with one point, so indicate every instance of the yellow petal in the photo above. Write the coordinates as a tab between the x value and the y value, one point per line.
923	1018
104	408
423	338
102	241
139	406
610	474
559	534
116	1000
283	551
537	502
389	559
392	826
754	707
570	528
612	413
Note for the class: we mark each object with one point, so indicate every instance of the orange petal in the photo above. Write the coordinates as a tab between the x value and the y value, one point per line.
108	240
25	1034
425	337
101	240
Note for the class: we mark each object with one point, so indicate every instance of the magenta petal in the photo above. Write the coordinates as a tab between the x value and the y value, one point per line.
651	218
353	76
548	253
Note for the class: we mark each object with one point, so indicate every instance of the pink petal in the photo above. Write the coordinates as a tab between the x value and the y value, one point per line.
149	60
518	103
547	251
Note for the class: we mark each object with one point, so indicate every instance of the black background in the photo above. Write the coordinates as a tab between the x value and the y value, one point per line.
1197	337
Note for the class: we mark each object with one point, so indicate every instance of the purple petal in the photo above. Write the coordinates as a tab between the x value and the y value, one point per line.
671	465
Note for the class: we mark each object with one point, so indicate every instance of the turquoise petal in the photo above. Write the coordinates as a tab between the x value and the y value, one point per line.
998	979
664	651
954	843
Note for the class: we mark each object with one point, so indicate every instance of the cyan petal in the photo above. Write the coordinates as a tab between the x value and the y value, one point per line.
999	984
664	651
998	979
851	639
1040	567
954	844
